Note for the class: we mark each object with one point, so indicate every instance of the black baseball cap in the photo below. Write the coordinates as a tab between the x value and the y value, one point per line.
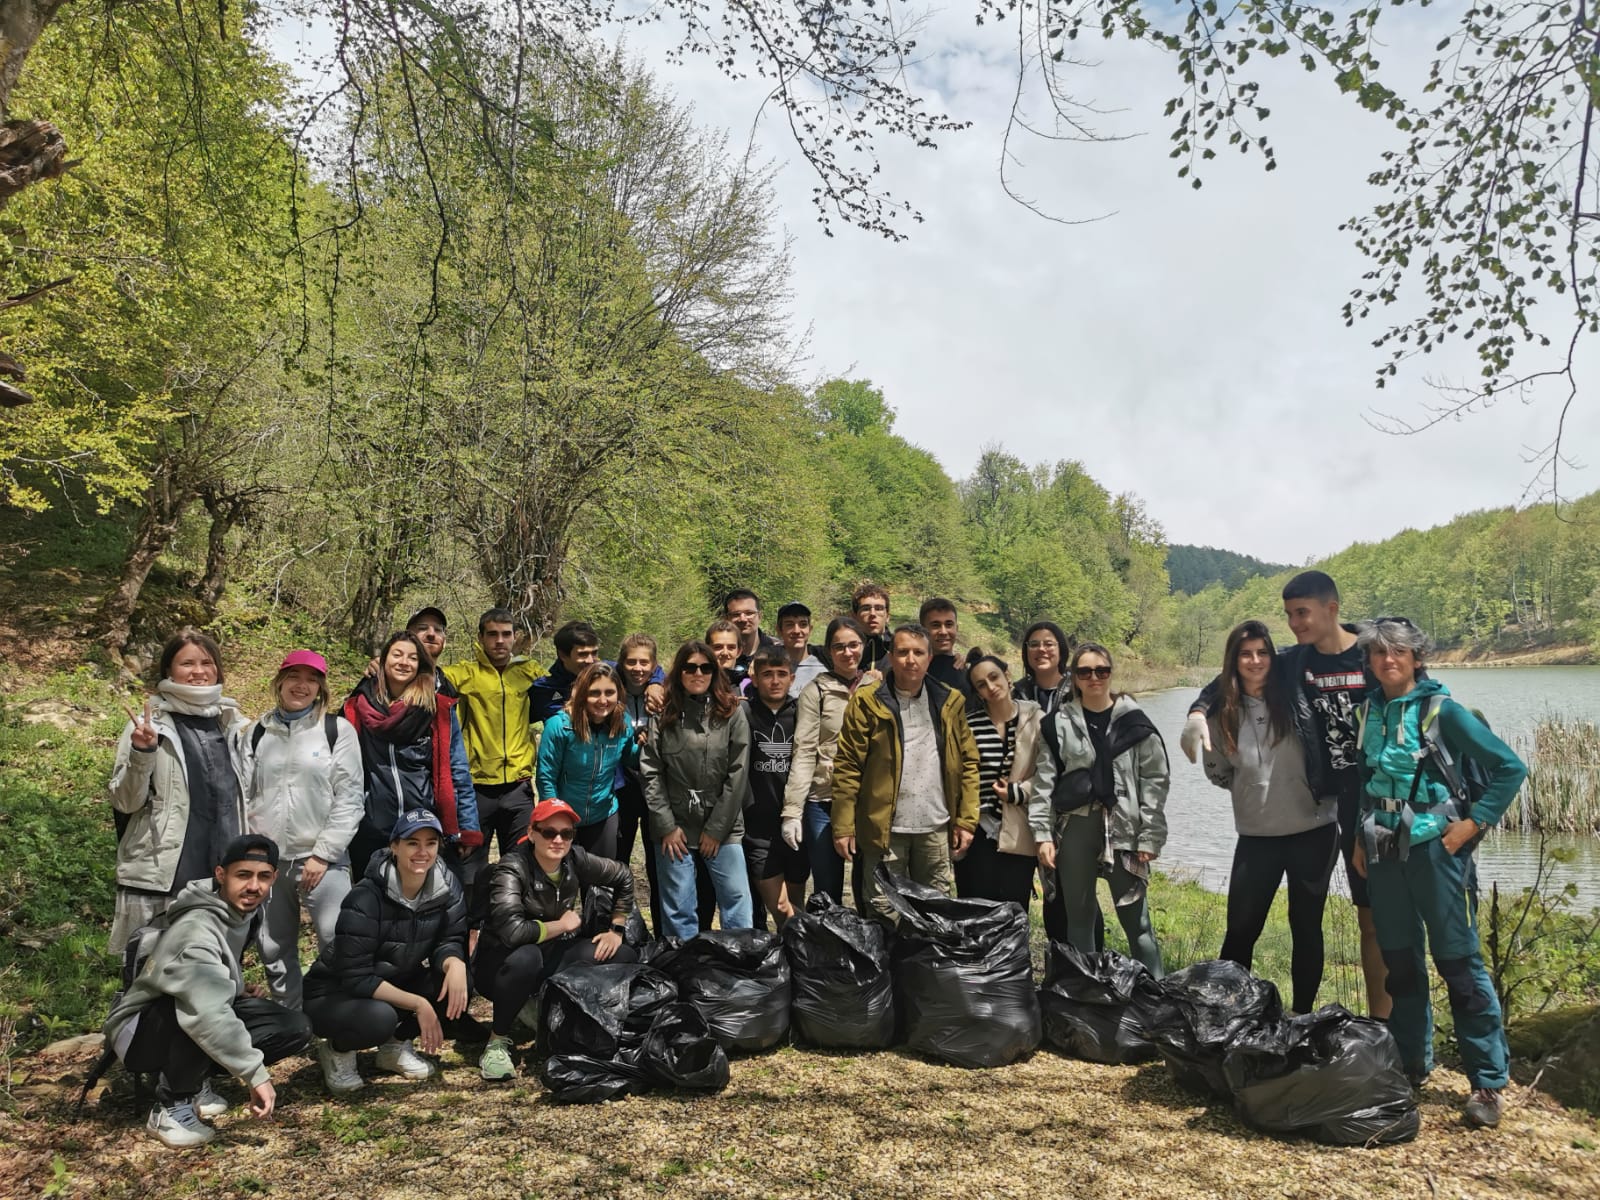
429	611
793	609
250	847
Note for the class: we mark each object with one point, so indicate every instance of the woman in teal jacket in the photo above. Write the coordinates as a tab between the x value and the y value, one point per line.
580	750
1415	850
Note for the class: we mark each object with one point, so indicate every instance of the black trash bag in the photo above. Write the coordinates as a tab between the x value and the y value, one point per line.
593	1024
737	978
1215	1003
843	987
680	1052
1330	1075
581	1079
963	975
1099	1007
598	904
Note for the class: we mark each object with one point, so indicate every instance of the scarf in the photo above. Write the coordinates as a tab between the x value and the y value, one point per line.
404	724
194	700
1126	732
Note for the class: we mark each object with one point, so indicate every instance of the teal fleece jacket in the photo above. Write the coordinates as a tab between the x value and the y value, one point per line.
583	773
1390	740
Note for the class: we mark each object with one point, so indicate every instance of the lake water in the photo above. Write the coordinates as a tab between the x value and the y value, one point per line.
1200	818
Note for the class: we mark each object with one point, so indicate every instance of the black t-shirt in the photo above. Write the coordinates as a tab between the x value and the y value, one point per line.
1099	724
1338	683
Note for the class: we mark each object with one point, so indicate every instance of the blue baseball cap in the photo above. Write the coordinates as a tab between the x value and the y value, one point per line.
413	820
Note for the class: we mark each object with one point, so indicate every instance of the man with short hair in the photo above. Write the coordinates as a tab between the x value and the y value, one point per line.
577	646
905	776
938	617
794	631
190	1012
777	872
428	624
743	608
495	718
1327	680
870	604
722	636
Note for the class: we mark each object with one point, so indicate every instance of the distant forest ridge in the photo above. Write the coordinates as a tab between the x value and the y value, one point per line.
1194	568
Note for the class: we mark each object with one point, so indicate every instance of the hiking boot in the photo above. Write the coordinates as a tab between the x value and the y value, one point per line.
208	1104
339	1070
496	1065
178	1124
401	1058
1484	1107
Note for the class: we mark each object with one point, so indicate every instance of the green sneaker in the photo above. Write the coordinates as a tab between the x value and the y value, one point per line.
496	1065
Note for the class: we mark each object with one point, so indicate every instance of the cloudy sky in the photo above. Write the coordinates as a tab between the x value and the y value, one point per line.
1188	348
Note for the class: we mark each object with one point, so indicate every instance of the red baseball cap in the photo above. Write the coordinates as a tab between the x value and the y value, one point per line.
304	658
546	809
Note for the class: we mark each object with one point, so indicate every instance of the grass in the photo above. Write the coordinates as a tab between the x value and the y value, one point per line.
1562	794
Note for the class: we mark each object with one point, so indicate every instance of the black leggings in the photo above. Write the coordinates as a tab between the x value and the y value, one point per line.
987	874
361	1022
510	979
160	1044
1259	865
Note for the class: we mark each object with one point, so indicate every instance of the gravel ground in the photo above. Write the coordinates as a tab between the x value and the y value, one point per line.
792	1123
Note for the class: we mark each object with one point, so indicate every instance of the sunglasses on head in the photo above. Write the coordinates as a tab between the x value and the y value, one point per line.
699	668
1406	621
1095	672
552	832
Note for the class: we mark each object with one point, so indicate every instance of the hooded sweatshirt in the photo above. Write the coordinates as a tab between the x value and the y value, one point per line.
196	962
1265	778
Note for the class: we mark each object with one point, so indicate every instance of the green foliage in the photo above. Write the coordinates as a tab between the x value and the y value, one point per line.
1195	568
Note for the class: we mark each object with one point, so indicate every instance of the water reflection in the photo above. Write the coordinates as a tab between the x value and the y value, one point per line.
1200	818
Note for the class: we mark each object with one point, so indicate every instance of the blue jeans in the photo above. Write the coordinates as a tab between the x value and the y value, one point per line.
728	877
827	868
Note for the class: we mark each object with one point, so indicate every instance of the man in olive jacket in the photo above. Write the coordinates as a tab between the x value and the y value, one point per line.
905	778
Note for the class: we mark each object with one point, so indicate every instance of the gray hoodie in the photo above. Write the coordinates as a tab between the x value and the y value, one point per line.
196	962
1266	778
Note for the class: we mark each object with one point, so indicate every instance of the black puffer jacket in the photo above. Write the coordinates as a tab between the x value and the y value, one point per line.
521	895
382	937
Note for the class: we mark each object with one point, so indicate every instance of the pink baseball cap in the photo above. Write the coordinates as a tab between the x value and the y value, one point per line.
305	658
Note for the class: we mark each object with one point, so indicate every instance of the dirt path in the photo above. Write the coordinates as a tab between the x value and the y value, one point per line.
792	1123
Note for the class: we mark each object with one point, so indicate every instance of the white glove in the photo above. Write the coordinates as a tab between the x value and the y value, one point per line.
1196	736
791	832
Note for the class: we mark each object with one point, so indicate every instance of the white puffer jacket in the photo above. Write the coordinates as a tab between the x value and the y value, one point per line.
297	793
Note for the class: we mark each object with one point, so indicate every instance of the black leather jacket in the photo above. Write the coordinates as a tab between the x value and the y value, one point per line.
521	895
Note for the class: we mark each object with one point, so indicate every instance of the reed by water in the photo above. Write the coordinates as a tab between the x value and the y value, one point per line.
1562	794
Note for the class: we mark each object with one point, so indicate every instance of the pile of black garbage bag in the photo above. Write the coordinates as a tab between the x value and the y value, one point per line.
963	975
611	1029
1329	1075
841	981
738	980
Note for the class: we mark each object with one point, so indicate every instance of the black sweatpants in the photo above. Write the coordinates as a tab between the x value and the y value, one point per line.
986	874
503	812
361	1022
1259	865
510	978
160	1044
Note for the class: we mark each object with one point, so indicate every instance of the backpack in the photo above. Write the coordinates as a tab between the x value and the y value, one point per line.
1465	779
135	955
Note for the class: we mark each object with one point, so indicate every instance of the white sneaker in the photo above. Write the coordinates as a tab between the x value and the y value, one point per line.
179	1125
208	1104
401	1058
339	1070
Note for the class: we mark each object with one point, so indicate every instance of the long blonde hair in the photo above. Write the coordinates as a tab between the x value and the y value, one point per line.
420	691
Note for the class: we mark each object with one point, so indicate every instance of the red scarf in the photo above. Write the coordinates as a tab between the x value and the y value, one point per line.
398	722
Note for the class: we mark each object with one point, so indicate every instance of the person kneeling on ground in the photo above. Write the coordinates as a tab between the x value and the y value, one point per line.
397	962
536	919
190	1012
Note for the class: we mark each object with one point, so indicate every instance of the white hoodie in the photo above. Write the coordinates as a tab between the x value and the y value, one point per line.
306	799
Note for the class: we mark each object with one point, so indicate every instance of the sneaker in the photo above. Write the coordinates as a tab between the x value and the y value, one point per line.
208	1104
1484	1107
339	1070
401	1058
496	1065
178	1124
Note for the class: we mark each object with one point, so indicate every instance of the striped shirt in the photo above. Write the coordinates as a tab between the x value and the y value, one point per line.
996	748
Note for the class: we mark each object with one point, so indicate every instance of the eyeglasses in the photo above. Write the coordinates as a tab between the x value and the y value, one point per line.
1096	672
699	668
873	608
551	833
844	647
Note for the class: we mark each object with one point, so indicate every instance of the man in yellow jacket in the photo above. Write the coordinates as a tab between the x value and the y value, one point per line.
500	746
905	778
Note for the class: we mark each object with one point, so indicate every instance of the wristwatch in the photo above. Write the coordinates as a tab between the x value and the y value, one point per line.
620	930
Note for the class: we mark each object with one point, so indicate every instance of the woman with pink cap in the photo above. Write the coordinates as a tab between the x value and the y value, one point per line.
303	789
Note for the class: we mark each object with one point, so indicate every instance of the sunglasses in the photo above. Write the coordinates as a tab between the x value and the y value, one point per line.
1092	672
699	668
1406	621
551	833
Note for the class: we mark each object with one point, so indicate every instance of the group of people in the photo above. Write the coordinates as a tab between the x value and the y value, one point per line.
756	765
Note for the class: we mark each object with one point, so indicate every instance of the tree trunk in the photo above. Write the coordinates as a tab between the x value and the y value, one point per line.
165	502
21	23
226	512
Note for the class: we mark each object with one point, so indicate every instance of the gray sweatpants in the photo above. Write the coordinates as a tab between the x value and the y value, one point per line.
279	936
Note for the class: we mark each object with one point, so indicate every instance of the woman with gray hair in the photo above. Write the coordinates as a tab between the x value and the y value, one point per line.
1419	825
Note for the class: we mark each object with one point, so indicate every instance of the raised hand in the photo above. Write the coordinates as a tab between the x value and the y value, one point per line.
144	729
